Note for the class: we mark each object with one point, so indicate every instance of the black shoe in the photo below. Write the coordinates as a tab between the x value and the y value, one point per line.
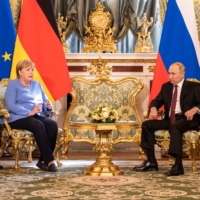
53	167
147	167
143	164
42	166
176	170
1	167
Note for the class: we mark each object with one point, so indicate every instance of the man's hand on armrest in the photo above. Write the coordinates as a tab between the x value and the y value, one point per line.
153	113
190	113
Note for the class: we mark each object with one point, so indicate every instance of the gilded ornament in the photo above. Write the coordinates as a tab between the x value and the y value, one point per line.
99	35
100	69
103	165
61	28
163	7
144	44
151	68
197	14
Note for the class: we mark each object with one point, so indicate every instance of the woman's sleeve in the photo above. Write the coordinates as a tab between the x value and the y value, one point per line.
10	99
44	96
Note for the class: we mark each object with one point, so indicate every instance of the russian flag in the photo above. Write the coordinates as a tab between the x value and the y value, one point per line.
179	43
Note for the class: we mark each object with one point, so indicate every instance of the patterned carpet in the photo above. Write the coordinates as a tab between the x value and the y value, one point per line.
69	183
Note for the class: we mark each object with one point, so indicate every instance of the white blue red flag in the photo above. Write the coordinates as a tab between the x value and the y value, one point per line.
179	43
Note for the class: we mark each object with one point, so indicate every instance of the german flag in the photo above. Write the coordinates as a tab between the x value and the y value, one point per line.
38	40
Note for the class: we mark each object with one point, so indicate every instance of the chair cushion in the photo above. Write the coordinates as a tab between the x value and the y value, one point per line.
164	134
23	136
17	133
2	101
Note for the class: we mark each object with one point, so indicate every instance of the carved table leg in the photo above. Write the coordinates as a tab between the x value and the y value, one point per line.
103	165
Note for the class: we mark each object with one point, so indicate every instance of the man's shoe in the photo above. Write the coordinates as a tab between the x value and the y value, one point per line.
176	170
147	167
53	167
143	164
1	167
42	166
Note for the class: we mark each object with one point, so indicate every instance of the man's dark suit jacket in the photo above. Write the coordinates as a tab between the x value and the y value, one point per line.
189	98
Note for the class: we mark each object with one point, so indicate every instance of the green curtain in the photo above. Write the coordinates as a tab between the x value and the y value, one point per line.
123	12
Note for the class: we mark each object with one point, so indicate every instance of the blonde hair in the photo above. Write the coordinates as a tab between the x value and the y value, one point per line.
23	64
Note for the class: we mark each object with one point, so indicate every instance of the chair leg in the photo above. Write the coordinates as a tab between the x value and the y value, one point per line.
142	153
16	150
3	148
67	137
30	154
59	142
56	153
193	155
62	142
171	160
65	150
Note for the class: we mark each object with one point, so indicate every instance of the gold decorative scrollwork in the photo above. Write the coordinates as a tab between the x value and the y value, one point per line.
151	68
163	7
103	165
4	82
113	60
61	28
16	10
100	69
197	13
144	36
99	35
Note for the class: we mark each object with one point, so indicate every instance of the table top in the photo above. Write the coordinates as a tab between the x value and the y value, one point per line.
81	124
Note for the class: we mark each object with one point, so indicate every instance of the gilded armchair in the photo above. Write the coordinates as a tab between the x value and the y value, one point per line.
14	140
191	140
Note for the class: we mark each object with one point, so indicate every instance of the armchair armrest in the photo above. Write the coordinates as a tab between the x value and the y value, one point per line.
51	113
161	113
4	113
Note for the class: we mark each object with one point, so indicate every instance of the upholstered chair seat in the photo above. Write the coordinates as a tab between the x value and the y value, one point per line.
190	143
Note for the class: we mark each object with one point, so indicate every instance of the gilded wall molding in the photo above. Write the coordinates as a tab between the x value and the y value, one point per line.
115	68
112	60
151	68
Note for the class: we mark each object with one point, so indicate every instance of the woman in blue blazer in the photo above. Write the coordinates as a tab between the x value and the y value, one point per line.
26	103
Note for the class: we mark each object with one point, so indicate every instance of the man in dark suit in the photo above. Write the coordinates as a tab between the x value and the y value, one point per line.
181	100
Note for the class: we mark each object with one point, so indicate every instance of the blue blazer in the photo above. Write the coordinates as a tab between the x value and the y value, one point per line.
20	100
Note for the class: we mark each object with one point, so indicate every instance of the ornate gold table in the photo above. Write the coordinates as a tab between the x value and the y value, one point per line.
104	145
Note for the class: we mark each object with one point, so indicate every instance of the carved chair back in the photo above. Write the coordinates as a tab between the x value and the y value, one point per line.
120	95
